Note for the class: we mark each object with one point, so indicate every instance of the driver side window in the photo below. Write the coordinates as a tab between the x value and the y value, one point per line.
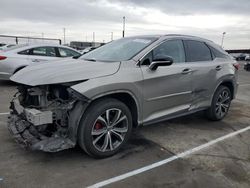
172	48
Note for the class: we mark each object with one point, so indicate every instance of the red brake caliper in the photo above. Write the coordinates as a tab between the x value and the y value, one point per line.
98	126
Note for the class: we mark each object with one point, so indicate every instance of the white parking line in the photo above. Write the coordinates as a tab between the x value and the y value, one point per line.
4	113
168	160
244	84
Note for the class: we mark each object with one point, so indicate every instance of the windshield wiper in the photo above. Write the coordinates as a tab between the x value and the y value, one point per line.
94	60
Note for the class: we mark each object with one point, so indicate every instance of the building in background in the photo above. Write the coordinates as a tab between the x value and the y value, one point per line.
82	45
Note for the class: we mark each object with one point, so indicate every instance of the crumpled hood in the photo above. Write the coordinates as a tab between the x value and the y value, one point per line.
63	71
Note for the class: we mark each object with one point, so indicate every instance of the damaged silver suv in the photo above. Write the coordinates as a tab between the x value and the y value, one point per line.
96	100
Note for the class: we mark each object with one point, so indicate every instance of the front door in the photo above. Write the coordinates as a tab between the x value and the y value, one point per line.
167	90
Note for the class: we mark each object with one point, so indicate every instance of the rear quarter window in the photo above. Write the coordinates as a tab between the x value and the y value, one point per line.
218	54
197	51
24	52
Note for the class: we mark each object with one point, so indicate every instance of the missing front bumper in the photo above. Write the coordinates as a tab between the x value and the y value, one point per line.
31	137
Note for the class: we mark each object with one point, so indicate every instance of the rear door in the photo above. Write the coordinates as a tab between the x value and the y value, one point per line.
167	89
200	62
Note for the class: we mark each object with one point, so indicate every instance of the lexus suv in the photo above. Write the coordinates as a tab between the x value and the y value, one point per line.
96	100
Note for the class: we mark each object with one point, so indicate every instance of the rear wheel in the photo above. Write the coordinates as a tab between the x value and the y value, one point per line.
220	104
105	128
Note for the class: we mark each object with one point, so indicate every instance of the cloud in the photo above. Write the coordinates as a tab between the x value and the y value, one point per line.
191	7
81	18
62	12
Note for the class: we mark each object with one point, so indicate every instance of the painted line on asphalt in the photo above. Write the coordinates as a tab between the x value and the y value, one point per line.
4	113
168	160
244	84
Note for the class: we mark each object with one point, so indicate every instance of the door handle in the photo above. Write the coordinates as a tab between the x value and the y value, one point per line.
219	67
186	71
35	60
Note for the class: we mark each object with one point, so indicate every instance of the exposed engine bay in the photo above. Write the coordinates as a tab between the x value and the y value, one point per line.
39	117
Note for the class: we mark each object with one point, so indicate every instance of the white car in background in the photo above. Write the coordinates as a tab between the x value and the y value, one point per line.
18	57
5	46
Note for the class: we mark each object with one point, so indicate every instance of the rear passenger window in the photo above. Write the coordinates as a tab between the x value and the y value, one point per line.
197	51
25	52
44	51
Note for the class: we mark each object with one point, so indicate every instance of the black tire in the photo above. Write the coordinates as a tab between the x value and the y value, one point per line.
95	115
213	113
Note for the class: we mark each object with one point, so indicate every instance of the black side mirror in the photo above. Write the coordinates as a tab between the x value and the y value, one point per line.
161	61
76	57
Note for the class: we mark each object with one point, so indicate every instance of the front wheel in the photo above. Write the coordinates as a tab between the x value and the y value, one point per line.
220	104
105	127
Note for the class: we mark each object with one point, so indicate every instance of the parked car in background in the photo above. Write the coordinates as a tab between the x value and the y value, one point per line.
18	57
247	57
98	99
240	57
5	46
247	65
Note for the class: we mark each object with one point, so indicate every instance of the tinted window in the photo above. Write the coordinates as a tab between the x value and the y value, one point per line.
44	51
217	53
197	51
173	49
25	52
64	52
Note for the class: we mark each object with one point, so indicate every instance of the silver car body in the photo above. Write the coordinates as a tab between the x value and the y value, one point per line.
168	92
15	61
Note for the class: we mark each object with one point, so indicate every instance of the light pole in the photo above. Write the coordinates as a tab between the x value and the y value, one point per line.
64	40
123	32
222	40
93	36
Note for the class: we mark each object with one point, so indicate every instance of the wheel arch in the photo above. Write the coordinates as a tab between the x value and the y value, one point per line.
81	107
19	68
125	97
230	86
227	83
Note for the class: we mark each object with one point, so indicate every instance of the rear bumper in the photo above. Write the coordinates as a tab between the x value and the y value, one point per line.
5	76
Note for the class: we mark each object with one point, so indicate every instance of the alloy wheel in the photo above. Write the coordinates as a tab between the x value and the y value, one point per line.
109	130
222	103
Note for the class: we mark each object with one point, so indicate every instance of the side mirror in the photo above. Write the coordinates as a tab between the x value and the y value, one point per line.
161	61
76	57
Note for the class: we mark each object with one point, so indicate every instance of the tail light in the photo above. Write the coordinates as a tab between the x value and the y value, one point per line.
2	57
236	66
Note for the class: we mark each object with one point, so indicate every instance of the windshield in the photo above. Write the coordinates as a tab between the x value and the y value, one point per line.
119	50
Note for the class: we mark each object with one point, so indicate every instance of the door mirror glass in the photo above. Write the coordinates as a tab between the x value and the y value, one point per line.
161	60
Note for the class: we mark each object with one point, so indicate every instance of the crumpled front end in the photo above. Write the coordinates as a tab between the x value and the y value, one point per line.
39	117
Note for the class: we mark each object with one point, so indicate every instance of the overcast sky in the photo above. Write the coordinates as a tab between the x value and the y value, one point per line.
204	18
